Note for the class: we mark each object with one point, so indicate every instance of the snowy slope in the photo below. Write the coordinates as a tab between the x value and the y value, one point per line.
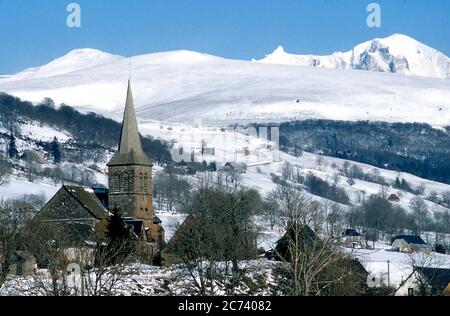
75	60
29	137
17	187
182	86
263	161
394	54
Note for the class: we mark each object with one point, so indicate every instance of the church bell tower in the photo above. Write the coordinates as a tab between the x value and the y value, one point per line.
130	173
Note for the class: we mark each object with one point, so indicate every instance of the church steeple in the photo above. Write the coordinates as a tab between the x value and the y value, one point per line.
129	138
130	178
130	147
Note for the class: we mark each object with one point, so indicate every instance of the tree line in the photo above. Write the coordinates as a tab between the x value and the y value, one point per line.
414	148
89	129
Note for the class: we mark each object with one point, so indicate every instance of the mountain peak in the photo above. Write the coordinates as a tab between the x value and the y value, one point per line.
397	53
279	50
74	60
397	36
87	52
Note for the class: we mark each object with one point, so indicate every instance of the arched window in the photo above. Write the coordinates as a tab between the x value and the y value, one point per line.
145	183
116	183
126	183
141	182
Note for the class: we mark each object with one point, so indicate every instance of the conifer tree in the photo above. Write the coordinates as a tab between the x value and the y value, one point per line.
120	243
55	151
12	150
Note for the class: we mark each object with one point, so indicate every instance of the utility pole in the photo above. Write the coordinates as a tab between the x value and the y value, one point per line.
389	273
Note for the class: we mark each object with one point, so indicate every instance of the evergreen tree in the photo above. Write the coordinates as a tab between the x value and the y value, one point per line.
397	183
120	244
12	150
55	151
212	167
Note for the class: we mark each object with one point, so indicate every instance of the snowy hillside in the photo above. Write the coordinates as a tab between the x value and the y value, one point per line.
33	171
75	60
264	161
183	86
394	54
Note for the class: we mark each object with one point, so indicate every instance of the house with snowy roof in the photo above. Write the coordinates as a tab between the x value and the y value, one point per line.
410	243
353	239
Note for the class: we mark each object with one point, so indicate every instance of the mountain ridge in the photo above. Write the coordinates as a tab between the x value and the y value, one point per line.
397	53
185	86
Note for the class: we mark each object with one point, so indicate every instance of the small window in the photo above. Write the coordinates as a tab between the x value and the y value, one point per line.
410	292
141	182
126	183
145	189
116	184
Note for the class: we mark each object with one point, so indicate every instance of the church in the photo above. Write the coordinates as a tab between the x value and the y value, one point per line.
86	211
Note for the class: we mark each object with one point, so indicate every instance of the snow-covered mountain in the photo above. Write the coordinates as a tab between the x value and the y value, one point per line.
183	86
394	54
75	60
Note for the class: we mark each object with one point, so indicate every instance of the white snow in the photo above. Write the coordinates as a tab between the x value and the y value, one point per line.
378	262
75	60
183	86
421	59
17	187
263	160
43	133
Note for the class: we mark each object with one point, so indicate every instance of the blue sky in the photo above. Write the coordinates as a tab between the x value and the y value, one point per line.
34	32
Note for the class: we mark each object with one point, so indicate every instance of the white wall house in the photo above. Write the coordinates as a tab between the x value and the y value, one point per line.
426	282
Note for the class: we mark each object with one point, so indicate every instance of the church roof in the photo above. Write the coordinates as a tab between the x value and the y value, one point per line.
88	200
130	147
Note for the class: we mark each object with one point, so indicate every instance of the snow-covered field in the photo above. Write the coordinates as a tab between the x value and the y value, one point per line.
136	280
388	268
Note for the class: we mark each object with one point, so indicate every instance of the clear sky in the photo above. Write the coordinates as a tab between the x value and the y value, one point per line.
34	32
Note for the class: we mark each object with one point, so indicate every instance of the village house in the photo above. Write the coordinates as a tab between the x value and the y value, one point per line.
353	239
394	198
426	282
238	167
410	243
130	191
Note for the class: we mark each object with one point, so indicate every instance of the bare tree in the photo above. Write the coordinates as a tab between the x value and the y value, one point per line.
46	240
60	248
308	256
334	219
420	210
446	198
5	168
217	237
270	210
13	216
424	282
287	171
98	276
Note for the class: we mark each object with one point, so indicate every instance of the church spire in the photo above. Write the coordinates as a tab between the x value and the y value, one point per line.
130	147
129	138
